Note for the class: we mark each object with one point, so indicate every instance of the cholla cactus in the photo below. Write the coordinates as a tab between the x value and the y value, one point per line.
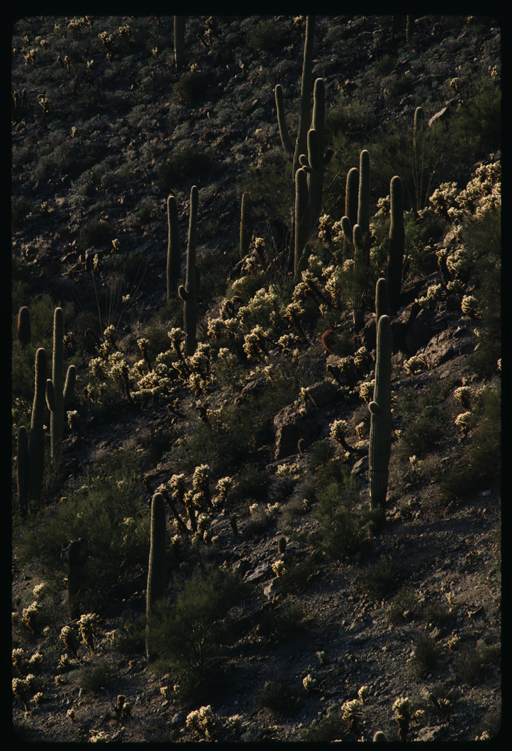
87	626
201	720
308	682
29	617
223	487
352	712
415	364
464	395
404	715
363	693
201	483
469	306
278	567
465	422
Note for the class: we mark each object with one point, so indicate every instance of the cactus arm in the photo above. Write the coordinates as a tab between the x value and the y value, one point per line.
281	121
381	299
58	393
23	332
363	209
352	196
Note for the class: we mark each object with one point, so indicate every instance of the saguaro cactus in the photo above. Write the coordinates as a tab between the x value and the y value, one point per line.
316	160
302	220
352	196
246	224
363	207
380	409
381	300
58	393
418	157
173	248
361	270
156	569
179	40
396	243
23	470
189	291
23	332
36	440
305	102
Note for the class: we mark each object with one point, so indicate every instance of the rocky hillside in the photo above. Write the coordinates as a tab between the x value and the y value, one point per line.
284	605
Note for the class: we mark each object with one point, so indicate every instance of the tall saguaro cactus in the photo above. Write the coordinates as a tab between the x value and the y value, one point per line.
23	470
23	332
396	243
173	247
156	569
381	300
380	409
305	102
58	393
179	40
246	224
302	220
189	291
36	440
315	161
363	207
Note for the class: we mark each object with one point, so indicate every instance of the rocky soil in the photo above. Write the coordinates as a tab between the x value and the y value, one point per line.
446	552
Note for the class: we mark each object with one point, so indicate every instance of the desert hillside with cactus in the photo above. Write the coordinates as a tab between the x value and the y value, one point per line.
256	378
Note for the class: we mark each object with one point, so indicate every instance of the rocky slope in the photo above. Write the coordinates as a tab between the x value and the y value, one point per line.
106	129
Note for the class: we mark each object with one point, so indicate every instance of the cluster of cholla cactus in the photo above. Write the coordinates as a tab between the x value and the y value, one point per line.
202	721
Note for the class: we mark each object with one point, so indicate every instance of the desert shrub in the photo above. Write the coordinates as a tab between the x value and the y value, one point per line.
286	621
404	606
191	86
96	678
330	728
380	579
130	636
279	697
343	527
109	512
426	655
96	232
187	163
188	635
264	35
473	665
477	124
475	466
21	207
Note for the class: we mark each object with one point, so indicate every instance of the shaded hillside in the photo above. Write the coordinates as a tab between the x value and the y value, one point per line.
290	611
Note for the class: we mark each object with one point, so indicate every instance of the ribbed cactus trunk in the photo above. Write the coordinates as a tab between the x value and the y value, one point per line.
173	268
302	221
23	332
380	409
246	224
363	208
155	589
23	470
381	300
179	40
396	243
36	440
305	93
360	274
189	292
58	393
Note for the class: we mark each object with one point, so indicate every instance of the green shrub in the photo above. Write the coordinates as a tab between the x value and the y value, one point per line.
473	665
189	635
330	728
187	163
278	624
279	697
191	86
21	207
426	655
343	528
94	679
96	232
265	35
109	512
380	579
477	124
404	607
